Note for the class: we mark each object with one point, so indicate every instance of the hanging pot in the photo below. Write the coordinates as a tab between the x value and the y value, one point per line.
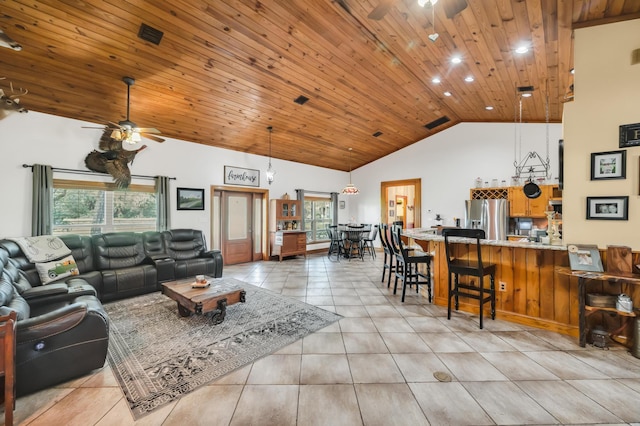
531	189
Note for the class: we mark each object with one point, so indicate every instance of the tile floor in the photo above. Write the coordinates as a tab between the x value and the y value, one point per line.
376	367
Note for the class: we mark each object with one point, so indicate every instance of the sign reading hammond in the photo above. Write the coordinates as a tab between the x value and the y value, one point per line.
240	176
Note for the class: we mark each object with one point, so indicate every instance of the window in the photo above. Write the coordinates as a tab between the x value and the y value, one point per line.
318	213
86	208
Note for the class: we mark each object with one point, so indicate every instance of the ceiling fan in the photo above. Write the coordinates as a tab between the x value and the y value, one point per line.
127	130
451	7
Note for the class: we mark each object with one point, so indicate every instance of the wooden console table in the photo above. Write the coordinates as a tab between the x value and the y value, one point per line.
583	278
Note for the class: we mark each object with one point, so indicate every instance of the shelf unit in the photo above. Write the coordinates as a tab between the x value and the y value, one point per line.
286	237
489	193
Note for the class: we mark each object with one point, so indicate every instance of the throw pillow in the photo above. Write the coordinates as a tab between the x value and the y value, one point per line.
53	271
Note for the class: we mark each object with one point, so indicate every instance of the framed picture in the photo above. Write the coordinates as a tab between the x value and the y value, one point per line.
608	208
391	213
190	199
584	258
391	204
241	176
609	165
342	204
629	135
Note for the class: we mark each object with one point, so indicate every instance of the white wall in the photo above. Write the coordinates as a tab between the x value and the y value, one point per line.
448	164
61	142
606	96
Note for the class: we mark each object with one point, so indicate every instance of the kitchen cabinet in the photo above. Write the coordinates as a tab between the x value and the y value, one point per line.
521	206
285	220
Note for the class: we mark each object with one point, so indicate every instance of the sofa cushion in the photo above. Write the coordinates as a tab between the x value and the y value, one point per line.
182	244
82	251
57	269
118	250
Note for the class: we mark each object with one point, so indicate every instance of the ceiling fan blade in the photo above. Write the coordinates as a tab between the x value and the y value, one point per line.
147	130
381	9
153	138
453	7
90	127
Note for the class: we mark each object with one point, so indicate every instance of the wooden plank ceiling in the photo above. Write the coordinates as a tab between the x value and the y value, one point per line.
225	70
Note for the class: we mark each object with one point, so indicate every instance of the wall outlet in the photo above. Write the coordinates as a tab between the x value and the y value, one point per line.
502	286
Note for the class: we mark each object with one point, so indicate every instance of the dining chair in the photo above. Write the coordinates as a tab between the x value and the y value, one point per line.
368	241
388	253
467	265
336	244
408	266
353	241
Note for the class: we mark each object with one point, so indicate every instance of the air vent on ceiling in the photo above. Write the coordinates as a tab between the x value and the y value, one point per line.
301	100
376	134
525	89
150	34
437	122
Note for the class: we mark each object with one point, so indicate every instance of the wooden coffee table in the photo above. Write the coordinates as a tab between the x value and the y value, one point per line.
221	293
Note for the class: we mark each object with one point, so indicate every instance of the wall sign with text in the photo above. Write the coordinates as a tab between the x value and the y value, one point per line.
240	176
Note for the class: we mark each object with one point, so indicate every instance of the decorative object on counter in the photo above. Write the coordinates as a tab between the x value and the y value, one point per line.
629	135
624	303
608	208
270	171
609	165
553	227
286	196
494	183
584	258
190	199
478	182
350	189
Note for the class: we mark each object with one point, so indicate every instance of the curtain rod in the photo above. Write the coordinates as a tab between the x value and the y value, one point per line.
316	192
87	172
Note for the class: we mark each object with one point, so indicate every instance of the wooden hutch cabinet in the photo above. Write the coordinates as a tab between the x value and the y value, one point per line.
521	206
285	222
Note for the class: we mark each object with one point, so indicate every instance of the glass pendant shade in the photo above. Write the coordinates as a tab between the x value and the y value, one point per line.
350	189
270	172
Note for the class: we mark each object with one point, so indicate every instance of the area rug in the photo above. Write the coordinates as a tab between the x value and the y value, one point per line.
158	356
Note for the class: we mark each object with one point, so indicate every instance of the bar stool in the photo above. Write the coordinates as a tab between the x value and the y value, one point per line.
470	267
408	261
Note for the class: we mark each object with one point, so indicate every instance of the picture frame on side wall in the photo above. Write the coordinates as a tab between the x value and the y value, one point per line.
585	257
609	165
190	199
608	208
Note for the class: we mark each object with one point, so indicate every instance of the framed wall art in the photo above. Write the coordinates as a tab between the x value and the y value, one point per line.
609	165
190	199
585	257
629	135
608	208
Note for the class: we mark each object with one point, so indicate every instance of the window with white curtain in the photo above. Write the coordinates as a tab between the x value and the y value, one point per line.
87	208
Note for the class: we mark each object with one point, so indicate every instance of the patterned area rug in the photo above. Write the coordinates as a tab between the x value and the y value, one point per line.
158	356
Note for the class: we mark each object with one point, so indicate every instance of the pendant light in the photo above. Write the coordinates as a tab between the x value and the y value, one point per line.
270	172
350	189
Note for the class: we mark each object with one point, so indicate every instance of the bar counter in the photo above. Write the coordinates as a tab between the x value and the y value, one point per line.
535	293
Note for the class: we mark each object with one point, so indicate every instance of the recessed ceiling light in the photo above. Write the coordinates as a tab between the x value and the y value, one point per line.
522	49
526	95
447	93
489	108
456	60
435	80
468	79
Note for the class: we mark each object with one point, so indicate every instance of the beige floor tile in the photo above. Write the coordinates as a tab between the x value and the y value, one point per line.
267	405
30	407
427	324
507	404
120	415
293	348
567	404
319	300
368	291
374	368
103	378
209	405
344	292
564	365
318	291
449	404
383	311
392	324
420	367
485	342
321	405
374	300
404	343
347	300
412	311
324	370
364	343
607	362
385	404
445	342
83	406
612	395
352	311
471	366
525	341
357	325
276	370
631	383
460	321
517	366
323	343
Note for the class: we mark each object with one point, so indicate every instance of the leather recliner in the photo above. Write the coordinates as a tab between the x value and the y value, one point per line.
188	249
56	340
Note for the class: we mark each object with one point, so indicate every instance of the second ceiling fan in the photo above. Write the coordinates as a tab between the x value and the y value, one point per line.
451	7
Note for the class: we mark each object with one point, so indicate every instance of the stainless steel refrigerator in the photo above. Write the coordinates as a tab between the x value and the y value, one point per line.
490	215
